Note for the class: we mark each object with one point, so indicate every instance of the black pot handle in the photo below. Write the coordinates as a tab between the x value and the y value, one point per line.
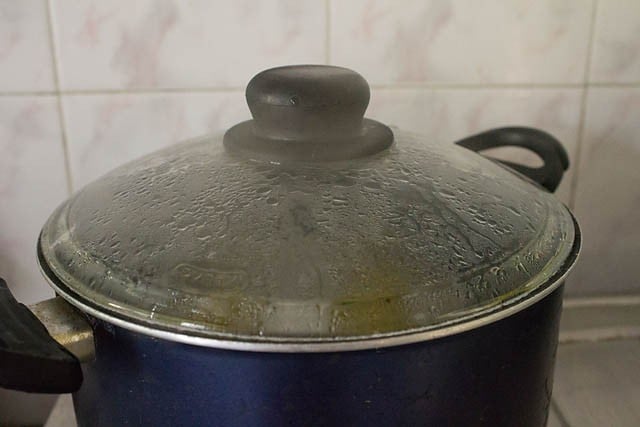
30	360
553	154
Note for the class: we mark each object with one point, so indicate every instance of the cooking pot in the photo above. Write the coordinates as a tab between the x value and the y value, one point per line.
308	267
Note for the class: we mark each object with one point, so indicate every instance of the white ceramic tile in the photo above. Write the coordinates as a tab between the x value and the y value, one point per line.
598	384
616	44
104	131
447	115
608	194
32	184
489	41
170	43
25	56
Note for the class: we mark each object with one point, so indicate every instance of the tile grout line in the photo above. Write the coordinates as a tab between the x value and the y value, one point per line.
602	301
599	336
583	106
399	86
614	84
57	93
29	93
435	85
520	85
133	91
327	32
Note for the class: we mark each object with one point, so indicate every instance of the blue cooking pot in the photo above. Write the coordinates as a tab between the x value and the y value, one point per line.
308	267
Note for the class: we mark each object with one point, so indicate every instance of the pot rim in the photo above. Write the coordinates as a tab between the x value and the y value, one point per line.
459	325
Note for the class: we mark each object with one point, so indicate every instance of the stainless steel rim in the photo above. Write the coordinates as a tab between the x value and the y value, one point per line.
365	343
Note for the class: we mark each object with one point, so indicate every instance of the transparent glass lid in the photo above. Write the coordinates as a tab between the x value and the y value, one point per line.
206	240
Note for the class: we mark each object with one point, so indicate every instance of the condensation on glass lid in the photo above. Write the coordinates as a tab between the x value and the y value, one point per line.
198	241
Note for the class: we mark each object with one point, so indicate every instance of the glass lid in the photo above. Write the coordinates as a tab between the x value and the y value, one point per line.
307	224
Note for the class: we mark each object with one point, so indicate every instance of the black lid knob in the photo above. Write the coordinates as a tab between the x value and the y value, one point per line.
308	112
307	102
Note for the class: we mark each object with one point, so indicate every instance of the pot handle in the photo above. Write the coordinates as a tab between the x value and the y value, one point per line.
30	359
553	154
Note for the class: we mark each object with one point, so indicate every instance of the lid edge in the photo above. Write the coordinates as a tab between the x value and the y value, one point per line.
315	345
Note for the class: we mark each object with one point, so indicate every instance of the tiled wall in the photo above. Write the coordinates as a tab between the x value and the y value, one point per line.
85	86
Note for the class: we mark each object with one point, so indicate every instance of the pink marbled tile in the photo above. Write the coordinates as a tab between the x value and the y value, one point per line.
608	194
25	56
616	43
105	131
169	43
32	184
459	41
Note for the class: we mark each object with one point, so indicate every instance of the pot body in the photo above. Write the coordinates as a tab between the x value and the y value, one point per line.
497	375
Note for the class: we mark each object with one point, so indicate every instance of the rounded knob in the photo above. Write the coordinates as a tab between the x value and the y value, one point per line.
309	113
307	102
